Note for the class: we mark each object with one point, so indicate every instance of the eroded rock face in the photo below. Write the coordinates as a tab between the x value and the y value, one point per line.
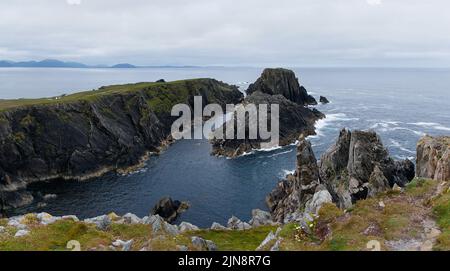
358	165
433	158
283	82
86	138
324	100
294	119
296	190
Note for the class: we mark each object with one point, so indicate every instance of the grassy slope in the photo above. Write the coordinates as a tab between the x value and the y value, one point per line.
400	219
160	94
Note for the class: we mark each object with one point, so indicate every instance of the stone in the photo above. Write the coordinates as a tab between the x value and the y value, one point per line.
276	246
21	233
433	158
70	217
182	248
202	244
46	219
377	183
101	222
125	245
2	229
397	188
16	224
260	218
235	223
427	246
270	237
113	216
218	227
130	218
185	226
169	209
321	197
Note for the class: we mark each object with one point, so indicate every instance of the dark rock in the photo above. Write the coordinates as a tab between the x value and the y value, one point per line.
324	100
358	166
161	81
81	139
294	120
169	209
296	190
433	158
283	82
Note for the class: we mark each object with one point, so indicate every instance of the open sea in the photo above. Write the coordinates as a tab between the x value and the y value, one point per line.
400	104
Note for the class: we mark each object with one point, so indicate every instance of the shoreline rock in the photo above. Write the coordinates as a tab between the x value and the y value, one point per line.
433	158
169	209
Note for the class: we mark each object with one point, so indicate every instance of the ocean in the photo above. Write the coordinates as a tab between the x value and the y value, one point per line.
401	105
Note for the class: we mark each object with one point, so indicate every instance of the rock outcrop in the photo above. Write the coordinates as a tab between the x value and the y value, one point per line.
433	158
169	209
356	167
275	87
324	100
87	134
283	82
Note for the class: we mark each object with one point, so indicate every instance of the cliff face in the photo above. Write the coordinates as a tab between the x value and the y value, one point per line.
356	167
433	158
87	134
274	87
283	82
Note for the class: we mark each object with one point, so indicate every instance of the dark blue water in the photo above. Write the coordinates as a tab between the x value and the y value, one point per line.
400	104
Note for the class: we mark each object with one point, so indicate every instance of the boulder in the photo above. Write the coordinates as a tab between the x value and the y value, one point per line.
202	244
282	82
235	223
185	226
131	219
270	238
21	233
433	158
324	100
321	197
125	245
46	219
217	227
169	209
101	222
260	218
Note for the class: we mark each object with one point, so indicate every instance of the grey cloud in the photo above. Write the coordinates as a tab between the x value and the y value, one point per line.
228	32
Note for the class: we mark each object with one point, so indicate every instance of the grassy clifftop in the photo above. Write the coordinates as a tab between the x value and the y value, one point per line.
161	94
396	219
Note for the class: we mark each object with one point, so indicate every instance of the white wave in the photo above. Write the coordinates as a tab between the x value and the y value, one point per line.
398	145
286	172
280	153
330	118
433	125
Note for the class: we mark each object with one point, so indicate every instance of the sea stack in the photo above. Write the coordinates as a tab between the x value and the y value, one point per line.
280	87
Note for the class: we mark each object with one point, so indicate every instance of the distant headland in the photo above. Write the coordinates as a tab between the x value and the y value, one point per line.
54	63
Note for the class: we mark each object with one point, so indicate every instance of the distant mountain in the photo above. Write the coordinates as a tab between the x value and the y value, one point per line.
123	66
53	63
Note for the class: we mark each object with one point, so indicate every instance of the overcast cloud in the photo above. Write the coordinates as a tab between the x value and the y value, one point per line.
229	32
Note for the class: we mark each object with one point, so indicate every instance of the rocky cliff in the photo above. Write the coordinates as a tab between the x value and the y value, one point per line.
283	82
87	134
356	167
274	87
433	158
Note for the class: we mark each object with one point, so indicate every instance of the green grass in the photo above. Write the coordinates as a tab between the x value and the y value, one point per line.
441	210
247	240
162	95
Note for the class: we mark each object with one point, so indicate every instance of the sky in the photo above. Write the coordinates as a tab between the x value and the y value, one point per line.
295	33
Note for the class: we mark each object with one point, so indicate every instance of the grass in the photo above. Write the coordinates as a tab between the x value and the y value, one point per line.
161	95
441	210
226	240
